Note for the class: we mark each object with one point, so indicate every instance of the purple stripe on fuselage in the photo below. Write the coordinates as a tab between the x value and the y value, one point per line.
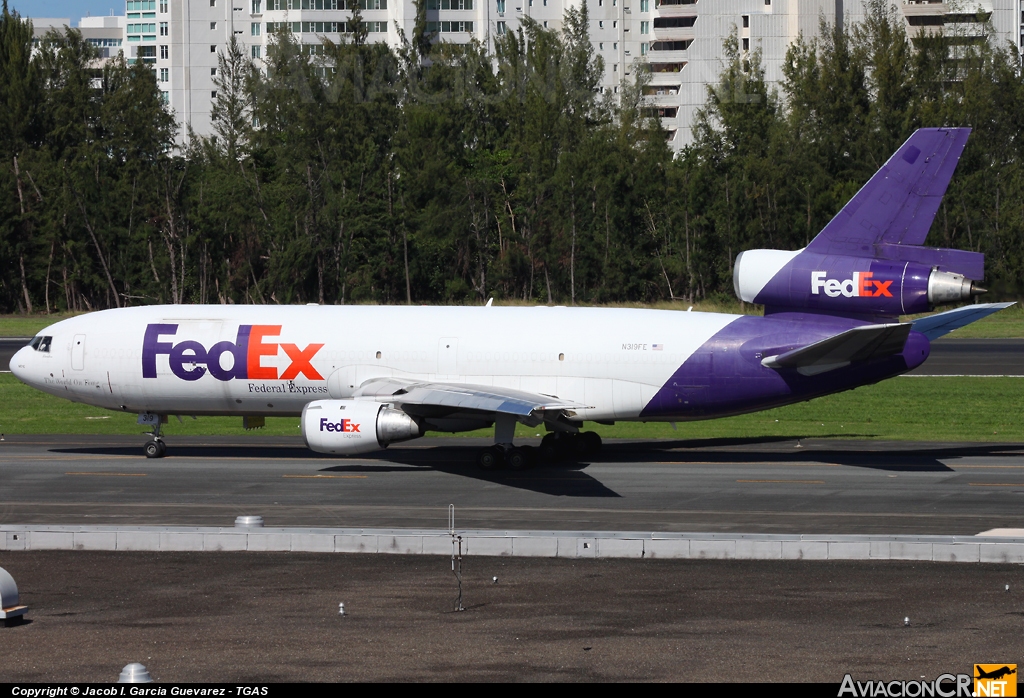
725	376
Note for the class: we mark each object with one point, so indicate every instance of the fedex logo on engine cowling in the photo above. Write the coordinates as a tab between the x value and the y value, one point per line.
860	286
345	425
190	360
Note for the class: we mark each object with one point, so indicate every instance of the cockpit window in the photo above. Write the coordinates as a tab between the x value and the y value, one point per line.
35	343
42	344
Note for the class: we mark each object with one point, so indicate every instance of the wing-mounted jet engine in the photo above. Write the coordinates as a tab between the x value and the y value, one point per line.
349	427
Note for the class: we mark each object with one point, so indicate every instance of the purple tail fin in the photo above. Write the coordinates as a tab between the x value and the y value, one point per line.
868	261
892	213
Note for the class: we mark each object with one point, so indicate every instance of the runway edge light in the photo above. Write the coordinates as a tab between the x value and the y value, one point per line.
134	673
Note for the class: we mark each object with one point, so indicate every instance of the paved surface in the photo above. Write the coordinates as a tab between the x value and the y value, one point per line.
818	487
999	546
274	617
975	357
8	348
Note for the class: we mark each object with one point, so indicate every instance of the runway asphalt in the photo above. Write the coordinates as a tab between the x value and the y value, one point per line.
972	357
8	348
764	486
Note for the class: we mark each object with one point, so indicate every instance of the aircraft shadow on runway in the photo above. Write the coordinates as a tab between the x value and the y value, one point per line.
917	458
560	479
563	479
570	479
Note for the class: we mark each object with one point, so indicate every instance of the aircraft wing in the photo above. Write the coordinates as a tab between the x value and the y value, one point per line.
859	344
934	326
461	396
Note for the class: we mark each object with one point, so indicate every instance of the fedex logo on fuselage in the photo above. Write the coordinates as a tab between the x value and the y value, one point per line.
345	425
860	286
190	360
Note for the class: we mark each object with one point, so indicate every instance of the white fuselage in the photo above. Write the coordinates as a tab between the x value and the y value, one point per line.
612	360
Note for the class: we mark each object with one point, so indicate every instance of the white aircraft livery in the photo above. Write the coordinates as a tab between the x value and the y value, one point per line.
363	377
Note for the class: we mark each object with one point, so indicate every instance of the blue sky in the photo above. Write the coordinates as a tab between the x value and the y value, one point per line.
66	8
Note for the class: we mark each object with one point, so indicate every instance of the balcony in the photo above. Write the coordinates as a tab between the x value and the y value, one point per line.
653	92
658	64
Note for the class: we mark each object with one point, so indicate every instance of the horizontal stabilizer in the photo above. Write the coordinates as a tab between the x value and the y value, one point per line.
934	326
859	344
970	264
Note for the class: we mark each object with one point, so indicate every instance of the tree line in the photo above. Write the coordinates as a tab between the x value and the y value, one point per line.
442	173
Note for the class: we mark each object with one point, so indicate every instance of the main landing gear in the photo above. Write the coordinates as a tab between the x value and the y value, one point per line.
555	446
565	445
512	457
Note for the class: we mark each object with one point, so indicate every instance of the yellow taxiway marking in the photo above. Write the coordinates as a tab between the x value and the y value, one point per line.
996	484
793	482
325	477
111	474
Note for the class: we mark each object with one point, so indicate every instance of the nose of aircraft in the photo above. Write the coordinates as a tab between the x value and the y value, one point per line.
21	363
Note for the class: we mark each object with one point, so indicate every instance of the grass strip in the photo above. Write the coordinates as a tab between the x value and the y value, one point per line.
921	408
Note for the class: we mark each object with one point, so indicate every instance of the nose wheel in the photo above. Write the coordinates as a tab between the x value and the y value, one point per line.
155	449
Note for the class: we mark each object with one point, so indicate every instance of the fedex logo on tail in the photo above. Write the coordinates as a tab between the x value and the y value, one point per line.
860	286
189	360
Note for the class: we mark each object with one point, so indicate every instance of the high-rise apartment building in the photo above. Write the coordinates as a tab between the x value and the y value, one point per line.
106	33
680	41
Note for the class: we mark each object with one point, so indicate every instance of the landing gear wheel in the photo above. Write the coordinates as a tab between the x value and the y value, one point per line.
489	458
549	448
591	442
154	449
517	459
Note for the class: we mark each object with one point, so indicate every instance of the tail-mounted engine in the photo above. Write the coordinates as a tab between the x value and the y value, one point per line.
841	285
355	426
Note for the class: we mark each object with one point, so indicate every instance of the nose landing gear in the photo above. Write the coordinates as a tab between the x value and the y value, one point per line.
155	447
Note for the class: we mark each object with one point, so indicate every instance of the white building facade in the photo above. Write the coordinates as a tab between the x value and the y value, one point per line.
680	41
